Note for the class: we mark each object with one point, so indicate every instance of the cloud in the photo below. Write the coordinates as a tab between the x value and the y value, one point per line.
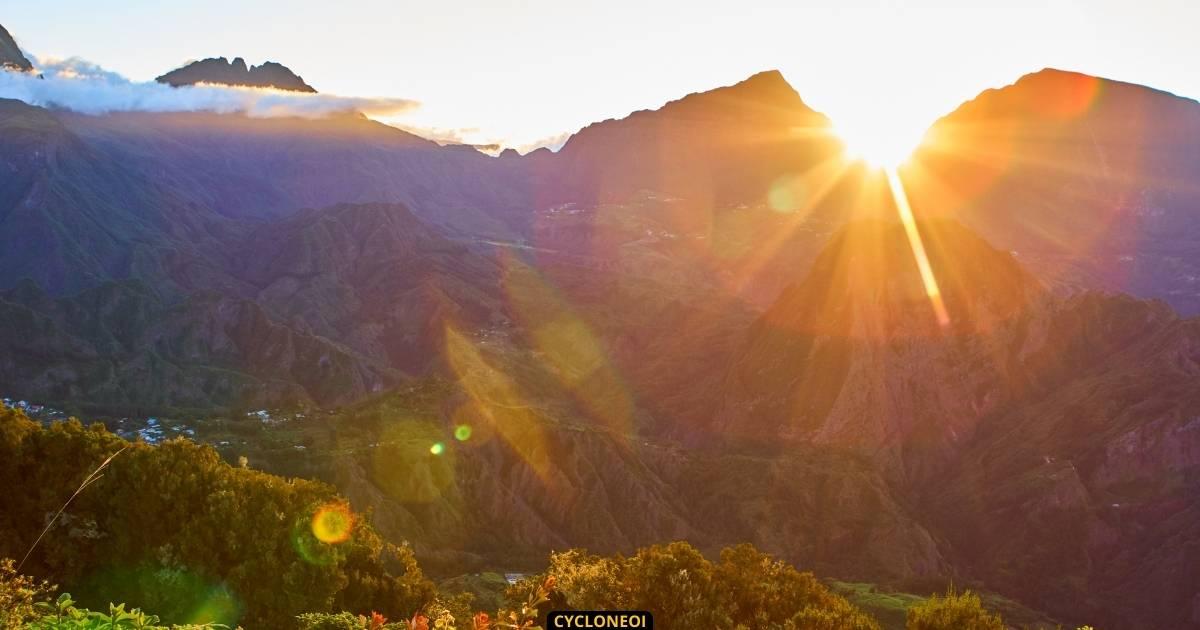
554	143
473	137
440	135
82	86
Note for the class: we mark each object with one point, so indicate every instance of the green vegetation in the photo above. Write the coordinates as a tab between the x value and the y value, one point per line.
953	612
175	530
746	589
890	606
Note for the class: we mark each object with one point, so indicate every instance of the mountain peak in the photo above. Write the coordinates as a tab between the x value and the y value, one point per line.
867	284
221	71
11	57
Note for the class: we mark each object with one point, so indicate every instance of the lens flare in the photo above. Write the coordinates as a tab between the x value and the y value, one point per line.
437	449
219	606
918	246
462	432
569	347
499	404
333	523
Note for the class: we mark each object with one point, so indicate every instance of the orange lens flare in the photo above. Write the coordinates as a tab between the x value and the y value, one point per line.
333	523
497	401
918	246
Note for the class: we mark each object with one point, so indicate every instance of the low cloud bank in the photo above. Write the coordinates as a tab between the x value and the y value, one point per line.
84	87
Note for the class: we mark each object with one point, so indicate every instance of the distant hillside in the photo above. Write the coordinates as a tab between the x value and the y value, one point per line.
328	306
221	71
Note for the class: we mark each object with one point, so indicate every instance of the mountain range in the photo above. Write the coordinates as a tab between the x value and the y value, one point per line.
697	322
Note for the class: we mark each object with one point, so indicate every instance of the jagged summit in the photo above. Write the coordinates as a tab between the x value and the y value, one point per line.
222	71
11	57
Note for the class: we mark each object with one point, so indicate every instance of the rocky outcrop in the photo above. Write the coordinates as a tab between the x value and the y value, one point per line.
11	57
221	71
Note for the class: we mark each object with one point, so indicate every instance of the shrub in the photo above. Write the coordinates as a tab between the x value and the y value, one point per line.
19	595
952	612
683	589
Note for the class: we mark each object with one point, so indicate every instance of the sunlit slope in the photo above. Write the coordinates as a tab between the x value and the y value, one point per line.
1092	182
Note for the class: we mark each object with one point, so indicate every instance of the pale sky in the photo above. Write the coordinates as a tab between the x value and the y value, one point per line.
520	72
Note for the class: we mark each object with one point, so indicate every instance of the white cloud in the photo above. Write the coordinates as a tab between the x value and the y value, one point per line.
85	87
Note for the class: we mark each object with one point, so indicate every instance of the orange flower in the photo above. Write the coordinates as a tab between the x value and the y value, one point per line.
419	622
378	621
548	583
481	622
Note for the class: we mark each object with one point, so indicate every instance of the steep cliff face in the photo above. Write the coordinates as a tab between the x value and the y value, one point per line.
11	57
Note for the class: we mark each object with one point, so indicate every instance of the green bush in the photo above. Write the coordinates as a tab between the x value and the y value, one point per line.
952	612
683	589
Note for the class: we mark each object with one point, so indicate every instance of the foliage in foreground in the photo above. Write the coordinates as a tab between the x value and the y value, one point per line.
174	530
683	589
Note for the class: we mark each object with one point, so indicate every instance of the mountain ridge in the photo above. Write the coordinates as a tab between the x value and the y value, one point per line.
222	71
11	57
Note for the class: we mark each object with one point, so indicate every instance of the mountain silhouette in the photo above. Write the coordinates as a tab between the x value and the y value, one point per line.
221	71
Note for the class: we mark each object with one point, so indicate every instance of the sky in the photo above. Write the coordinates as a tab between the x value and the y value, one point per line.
523	74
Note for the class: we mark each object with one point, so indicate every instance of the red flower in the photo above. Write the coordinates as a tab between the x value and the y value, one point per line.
481	622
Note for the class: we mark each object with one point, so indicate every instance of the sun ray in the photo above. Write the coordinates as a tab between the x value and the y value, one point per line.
928	279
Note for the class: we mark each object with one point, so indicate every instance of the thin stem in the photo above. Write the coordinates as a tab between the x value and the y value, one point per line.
89	480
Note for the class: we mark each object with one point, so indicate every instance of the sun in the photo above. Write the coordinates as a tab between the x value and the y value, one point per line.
881	143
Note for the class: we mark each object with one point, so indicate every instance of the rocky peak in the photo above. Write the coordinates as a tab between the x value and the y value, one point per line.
11	57
221	71
726	145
